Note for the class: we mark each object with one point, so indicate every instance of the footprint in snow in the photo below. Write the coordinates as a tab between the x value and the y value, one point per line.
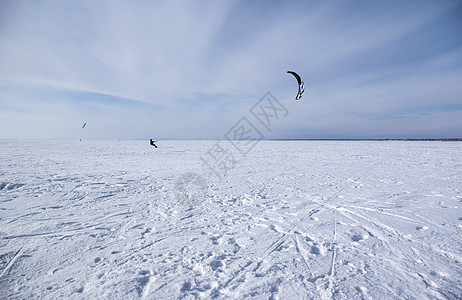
318	250
186	286
145	272
357	237
216	264
216	239
421	227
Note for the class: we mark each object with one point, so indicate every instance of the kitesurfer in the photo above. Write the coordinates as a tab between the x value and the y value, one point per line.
152	143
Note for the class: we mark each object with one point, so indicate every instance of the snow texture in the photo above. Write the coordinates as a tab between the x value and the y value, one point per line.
290	220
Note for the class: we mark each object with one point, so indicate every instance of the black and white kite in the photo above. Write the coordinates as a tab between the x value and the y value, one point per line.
301	85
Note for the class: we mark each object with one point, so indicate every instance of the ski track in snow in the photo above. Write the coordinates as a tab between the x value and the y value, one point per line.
292	220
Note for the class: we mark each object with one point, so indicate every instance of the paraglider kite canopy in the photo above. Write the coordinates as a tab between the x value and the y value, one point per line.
301	85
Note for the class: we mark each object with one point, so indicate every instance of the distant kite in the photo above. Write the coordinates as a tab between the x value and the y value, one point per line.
301	85
84	125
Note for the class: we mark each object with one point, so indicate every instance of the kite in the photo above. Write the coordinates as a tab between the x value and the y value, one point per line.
301	85
84	125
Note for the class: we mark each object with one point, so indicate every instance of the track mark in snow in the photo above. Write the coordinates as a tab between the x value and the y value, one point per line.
363	291
333	249
332	246
325	287
10	186
390	229
22	216
279	242
300	250
146	281
384	212
427	281
237	272
8	266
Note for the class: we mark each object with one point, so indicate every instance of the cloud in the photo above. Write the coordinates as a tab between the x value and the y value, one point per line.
191	69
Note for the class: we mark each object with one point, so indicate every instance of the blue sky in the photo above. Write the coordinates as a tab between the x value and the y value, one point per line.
192	69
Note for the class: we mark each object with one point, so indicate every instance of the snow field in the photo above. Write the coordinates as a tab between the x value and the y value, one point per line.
292	220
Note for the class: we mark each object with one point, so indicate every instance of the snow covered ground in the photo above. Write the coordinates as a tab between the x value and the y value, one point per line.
290	220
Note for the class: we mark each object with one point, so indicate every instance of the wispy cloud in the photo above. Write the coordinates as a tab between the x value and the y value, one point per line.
190	69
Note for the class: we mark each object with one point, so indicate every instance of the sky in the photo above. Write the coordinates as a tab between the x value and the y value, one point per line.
194	69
